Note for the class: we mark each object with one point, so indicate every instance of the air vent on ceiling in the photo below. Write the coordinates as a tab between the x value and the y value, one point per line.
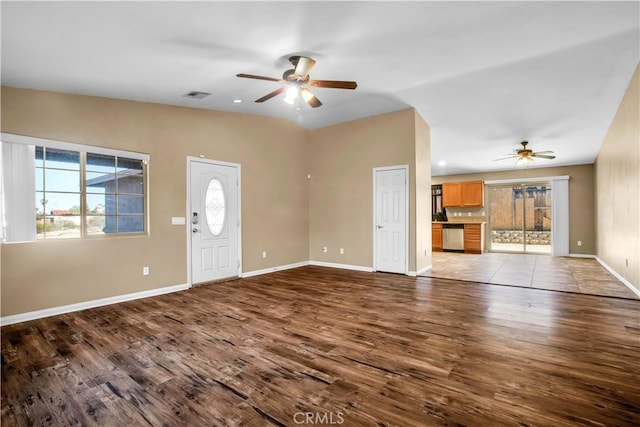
196	94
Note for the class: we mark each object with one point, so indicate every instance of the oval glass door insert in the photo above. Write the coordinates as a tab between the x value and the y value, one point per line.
215	206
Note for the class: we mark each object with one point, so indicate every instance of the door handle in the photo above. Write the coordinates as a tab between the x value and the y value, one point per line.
194	229
381	226
194	218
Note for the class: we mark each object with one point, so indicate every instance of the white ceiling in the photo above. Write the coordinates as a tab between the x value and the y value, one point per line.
484	75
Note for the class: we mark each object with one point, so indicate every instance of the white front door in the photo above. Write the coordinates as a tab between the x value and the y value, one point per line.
214	220
390	219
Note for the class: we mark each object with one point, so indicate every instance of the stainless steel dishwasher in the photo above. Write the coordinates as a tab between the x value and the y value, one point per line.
453	237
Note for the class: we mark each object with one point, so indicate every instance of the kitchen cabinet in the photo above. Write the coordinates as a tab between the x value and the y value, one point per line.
468	194
451	194
472	194
473	238
436	237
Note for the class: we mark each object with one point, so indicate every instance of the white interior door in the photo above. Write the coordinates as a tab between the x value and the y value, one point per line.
214	221
390	220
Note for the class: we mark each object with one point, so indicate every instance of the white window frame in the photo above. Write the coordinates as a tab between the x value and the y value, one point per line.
84	149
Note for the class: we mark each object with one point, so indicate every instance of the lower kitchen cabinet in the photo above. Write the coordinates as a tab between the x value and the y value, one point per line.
473	238
436	237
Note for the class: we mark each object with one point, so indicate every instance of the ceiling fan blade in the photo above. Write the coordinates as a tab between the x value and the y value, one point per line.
515	156
542	156
271	95
310	98
333	84
544	152
251	76
303	65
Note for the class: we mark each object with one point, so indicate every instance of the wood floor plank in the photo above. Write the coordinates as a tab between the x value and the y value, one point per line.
352	348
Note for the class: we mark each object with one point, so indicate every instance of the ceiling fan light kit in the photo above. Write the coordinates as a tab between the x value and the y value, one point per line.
293	92
525	156
297	79
524	161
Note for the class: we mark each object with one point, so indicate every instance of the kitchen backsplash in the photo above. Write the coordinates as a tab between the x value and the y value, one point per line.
455	213
465	215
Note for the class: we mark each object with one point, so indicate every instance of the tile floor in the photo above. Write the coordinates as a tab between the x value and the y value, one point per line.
580	275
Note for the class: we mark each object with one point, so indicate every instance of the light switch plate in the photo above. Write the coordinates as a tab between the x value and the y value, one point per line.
178	220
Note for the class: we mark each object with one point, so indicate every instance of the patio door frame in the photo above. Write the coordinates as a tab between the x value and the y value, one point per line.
559	208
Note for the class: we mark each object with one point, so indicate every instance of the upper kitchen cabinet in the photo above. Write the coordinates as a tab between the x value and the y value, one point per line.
467	194
451	194
473	194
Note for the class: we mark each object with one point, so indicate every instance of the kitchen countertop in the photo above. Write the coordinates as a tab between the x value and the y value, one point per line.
460	221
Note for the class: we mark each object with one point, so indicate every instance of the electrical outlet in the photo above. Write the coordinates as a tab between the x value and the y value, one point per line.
341	251
264	254
579	242
324	249
145	271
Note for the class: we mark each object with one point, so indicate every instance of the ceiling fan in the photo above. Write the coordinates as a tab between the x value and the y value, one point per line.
297	79
525	156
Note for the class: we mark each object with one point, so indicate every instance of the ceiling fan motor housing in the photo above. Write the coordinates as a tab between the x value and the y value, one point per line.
524	151
291	76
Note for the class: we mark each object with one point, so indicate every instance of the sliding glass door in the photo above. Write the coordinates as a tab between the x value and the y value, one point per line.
520	218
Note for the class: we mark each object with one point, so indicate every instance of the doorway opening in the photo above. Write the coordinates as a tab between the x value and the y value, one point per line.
520	218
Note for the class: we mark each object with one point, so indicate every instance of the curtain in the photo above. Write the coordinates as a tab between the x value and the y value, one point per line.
18	180
2	222
560	216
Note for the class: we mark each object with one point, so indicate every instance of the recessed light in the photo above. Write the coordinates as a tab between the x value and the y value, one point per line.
442	163
237	101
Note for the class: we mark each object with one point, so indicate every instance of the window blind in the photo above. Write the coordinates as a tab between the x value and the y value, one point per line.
19	188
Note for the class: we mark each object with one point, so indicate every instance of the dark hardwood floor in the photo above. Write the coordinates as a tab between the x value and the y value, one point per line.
331	347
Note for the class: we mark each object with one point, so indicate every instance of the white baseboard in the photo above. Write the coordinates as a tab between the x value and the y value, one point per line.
424	269
47	312
343	266
582	256
274	269
619	277
362	268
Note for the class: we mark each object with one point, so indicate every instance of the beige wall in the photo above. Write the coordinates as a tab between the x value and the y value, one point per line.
275	204
617	180
281	209
423	193
581	198
342	158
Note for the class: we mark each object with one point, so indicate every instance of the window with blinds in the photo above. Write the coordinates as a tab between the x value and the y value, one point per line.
57	190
